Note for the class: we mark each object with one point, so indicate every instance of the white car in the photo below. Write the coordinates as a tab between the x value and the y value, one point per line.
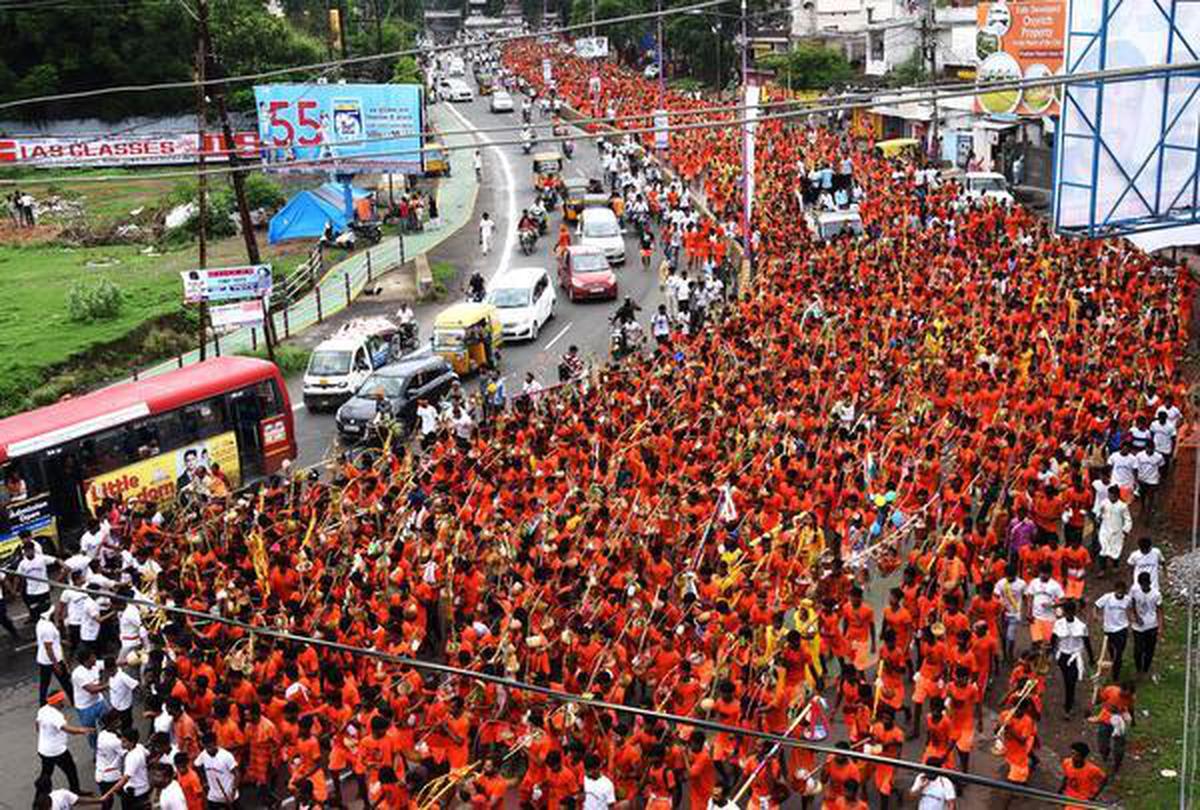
524	299
825	225
598	228
651	71
501	101
986	186
458	90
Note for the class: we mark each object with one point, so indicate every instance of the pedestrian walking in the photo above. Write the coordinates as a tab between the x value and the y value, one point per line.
487	229
1115	608
1147	619
53	733
477	162
50	656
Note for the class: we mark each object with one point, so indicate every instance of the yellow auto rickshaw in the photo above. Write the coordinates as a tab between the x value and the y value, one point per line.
467	335
574	189
437	159
547	168
897	147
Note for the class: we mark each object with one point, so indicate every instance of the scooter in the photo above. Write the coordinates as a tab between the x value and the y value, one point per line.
568	148
527	145
369	232
528	239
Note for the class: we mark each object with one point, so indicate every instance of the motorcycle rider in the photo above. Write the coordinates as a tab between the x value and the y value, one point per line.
537	212
527	222
627	312
527	139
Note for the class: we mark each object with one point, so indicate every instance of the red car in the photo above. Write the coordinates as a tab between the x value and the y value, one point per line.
584	273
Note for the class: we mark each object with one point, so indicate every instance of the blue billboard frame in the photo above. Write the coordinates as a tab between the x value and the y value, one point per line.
1165	209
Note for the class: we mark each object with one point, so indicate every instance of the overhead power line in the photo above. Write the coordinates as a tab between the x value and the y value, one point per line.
797	109
353	60
570	697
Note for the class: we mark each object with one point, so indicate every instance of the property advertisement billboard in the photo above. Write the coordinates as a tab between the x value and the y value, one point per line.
1022	40
591	47
369	127
160	479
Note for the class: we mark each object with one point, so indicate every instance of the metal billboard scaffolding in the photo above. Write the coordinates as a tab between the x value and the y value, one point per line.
1128	150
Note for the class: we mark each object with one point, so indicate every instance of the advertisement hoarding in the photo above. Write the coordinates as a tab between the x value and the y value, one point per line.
662	133
239	313
161	478
120	150
226	283
591	47
33	515
373	127
1022	40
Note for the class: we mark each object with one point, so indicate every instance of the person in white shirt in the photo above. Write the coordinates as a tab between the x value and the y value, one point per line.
936	792
88	684
1163	434
427	417
70	608
91	619
1044	595
121	686
1150	464
220	772
34	568
1115	523
1070	641
50	656
1147	619
1115	608
1010	590
129	625
170	792
598	790
1146	557
61	799
109	752
1124	467
135	776
53	732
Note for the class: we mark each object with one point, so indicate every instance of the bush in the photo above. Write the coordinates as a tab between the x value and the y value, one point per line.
292	360
97	301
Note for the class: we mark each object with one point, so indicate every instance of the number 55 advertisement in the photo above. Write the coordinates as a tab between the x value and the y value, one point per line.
348	127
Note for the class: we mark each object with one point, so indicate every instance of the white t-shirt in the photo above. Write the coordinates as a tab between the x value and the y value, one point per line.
52	738
1071	634
1010	595
62	799
130	623
73	604
1145	608
120	690
1043	595
429	419
1124	469
1116	616
1164	436
1150	563
172	797
1150	463
220	772
89	622
135	769
81	677
37	566
598	794
47	631
109	753
936	793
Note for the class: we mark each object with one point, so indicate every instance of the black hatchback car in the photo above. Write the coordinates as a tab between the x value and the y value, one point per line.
402	384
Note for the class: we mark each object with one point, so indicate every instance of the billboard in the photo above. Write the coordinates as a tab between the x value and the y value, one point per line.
226	283
1022	40
239	313
369	127
34	515
591	47
160	478
77	151
1126	157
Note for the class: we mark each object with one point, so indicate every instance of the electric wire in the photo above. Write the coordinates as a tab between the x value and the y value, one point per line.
351	60
570	697
817	107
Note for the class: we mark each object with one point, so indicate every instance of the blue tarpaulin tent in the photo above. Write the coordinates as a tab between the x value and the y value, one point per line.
305	215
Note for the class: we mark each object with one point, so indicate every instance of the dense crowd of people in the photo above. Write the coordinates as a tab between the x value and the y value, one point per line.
959	399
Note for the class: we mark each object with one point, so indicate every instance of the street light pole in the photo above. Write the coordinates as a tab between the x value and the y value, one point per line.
662	81
747	160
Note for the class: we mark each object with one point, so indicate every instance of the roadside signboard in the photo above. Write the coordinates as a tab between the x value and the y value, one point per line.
226	283
591	47
100	149
239	313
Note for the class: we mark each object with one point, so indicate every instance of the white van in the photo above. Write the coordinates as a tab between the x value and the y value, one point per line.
598	228
524	299
338	366
986	186
825	225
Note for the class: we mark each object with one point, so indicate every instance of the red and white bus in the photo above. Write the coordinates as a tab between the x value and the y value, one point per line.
141	439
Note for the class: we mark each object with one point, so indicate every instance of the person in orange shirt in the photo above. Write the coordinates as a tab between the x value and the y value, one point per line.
189	780
858	624
939	732
1020	735
965	711
840	770
702	773
490	786
890	739
849	798
560	782
264	752
1082	778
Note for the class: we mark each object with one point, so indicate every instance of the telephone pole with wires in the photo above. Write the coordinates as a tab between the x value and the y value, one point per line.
929	54
201	174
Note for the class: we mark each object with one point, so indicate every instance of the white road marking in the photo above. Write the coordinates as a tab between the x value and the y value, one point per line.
297	406
510	237
556	338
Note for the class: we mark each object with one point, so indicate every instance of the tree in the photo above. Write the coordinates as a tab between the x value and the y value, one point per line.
622	37
407	71
247	39
809	67
909	72
699	43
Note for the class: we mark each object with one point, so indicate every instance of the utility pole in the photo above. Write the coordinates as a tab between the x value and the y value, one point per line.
929	53
662	80
747	160
238	174
201	177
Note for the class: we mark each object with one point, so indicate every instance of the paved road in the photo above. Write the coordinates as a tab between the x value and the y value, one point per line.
507	189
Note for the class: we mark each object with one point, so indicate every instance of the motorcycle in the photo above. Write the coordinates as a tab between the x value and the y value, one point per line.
625	339
405	340
369	232
549	199
538	215
528	239
568	148
527	145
